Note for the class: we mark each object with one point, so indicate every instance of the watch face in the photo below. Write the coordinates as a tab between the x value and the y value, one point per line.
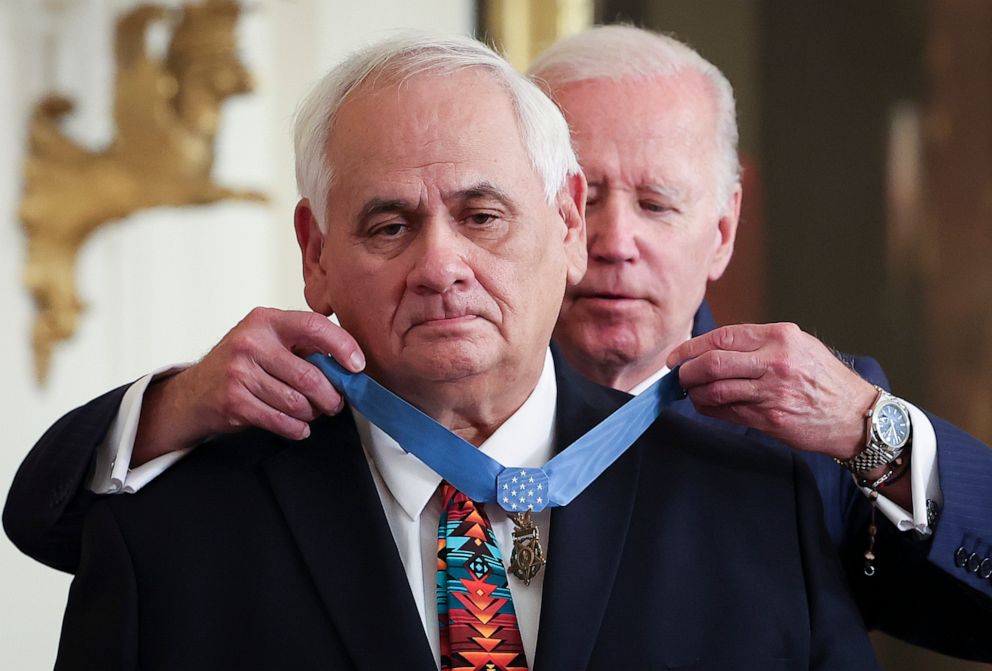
892	424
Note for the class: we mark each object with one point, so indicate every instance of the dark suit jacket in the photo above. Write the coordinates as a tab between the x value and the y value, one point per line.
920	592
696	549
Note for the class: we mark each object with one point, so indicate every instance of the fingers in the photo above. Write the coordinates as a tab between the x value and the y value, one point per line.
256	378
308	332
738	337
726	392
297	387
260	413
712	366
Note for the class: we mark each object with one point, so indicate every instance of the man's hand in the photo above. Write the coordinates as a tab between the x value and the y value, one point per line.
254	377
779	380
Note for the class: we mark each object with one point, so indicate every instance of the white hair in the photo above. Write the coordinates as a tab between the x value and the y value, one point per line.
625	52
543	129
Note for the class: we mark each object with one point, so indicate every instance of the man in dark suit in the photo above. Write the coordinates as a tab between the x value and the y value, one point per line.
258	552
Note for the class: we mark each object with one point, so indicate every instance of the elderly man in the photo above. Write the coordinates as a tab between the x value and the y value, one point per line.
655	129
444	186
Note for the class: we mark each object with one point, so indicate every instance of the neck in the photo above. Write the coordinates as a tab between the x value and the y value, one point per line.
619	374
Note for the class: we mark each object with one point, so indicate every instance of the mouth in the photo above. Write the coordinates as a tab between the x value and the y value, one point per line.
447	321
604	296
607	301
443	324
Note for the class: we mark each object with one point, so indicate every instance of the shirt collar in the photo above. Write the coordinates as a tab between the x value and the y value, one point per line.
526	439
642	386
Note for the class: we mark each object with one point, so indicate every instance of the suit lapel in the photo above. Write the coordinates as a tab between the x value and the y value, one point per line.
703	321
587	537
332	508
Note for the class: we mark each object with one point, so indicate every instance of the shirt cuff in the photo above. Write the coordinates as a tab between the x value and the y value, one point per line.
112	473
924	476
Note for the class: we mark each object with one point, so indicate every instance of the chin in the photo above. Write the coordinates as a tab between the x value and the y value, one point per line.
449	362
598	346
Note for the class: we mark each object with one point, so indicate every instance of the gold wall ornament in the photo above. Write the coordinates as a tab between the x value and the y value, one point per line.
166	113
522	29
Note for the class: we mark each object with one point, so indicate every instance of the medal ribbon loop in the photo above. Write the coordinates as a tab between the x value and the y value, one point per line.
479	476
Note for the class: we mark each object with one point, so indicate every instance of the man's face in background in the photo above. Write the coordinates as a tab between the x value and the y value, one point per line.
656	231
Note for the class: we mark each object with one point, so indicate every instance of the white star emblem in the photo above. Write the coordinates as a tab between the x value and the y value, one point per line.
507	500
506	486
540	500
540	487
530	493
532	479
514	479
523	473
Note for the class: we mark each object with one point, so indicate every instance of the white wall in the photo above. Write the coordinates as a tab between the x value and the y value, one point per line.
163	285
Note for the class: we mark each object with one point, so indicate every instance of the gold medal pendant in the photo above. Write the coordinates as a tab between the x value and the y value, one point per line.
527	557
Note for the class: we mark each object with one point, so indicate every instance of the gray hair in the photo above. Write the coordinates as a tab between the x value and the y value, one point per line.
543	129
626	52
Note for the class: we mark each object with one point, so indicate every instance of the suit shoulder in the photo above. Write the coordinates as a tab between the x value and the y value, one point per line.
225	469
676	439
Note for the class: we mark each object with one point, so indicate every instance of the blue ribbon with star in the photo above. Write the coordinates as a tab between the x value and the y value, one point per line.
479	476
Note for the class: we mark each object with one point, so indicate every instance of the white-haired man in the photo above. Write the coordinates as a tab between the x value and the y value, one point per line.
655	128
448	191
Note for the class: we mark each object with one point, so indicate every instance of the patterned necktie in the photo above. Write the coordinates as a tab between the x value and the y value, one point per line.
478	625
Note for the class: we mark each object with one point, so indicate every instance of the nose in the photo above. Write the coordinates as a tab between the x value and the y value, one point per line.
611	232
442	260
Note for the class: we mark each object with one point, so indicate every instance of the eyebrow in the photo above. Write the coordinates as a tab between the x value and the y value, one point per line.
376	206
380	205
482	190
664	191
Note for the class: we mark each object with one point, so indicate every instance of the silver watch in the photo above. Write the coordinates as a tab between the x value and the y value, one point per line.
889	431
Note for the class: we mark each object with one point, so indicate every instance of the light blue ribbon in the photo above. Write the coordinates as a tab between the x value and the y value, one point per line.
479	476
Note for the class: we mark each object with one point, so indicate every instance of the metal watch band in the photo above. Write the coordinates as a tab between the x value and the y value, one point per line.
875	453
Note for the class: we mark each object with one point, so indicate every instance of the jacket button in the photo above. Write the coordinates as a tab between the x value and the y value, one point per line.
973	561
985	569
960	557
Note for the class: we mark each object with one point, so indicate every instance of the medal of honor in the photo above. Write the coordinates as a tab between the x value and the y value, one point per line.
527	557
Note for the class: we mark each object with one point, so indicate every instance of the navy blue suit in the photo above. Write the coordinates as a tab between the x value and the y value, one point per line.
697	549
920	593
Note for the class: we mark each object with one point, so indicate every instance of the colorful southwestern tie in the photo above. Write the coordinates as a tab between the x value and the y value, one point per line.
477	623
520	491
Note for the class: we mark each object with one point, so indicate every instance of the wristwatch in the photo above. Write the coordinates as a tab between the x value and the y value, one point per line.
889	431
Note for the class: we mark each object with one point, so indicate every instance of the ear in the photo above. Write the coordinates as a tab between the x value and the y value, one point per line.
572	210
726	233
311	241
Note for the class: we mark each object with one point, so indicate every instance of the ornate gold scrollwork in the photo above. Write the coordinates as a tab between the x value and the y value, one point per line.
166	112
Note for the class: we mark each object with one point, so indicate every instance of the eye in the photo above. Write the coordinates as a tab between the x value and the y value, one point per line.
388	230
482	218
654	207
593	196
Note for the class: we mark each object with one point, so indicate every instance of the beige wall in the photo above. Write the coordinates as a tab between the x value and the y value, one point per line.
164	285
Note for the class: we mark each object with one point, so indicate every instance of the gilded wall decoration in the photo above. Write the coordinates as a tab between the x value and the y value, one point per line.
166	112
522	29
